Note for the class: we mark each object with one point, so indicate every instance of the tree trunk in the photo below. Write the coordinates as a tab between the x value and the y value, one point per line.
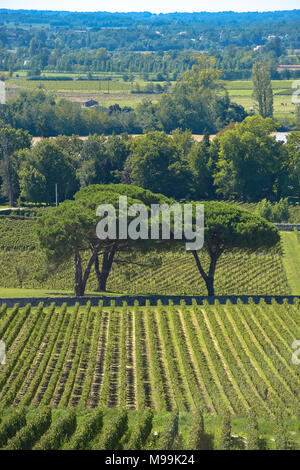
79	292
88	270
210	286
209	278
81	280
107	261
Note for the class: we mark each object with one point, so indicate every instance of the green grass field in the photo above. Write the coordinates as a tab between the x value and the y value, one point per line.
239	91
113	86
291	259
117	91
76	75
86	86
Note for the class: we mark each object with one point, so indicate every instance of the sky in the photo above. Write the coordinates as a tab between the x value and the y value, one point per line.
155	6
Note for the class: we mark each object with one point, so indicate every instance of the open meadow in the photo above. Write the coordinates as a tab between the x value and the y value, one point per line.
108	92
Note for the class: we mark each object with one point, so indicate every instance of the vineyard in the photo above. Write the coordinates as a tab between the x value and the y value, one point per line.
25	266
214	358
43	428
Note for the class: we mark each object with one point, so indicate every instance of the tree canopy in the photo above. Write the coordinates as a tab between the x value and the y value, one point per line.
70	231
43	167
227	228
11	141
195	104
158	162
262	89
251	163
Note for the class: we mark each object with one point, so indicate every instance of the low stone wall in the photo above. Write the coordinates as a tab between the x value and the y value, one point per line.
152	299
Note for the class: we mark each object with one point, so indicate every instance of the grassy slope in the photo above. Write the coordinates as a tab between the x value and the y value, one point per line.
291	260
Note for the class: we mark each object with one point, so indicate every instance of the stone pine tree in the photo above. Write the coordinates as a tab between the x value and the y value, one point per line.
227	228
109	251
262	89
69	232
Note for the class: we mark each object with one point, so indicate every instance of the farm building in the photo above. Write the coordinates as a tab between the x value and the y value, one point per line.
90	103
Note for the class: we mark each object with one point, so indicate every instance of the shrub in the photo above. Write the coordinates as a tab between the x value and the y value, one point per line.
278	212
282	439
199	439
114	431
253	442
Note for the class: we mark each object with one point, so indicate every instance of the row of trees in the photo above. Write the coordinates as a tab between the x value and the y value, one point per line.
196	102
31	172
232	39
243	162
69	231
235	62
